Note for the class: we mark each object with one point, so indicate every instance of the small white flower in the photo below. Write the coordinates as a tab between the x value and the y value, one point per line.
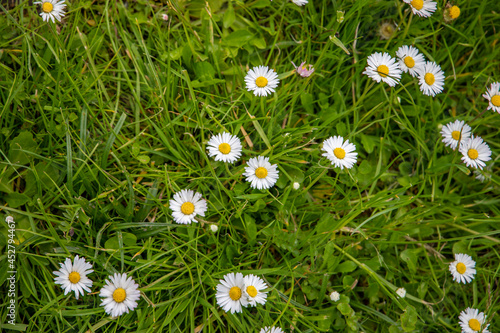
230	293
51	10
493	96
225	147
252	290
296	186
164	17
475	152
472	321
261	80
431	79
268	329
300	2
423	8
303	69
73	277
120	295
455	132
410	59
382	67
185	205
214	228
341	154
462	268
401	292
335	296
260	173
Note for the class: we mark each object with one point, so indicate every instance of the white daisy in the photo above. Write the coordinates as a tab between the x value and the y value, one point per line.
335	296
455	132
225	147
185	205
120	295
300	2
410	59
296	185
472	321
462	268
340	153
261	80
230	293
260	173
252	290
73	277
431	78
401	292
493	97
423	8
475	152
268	329
382	67
51	9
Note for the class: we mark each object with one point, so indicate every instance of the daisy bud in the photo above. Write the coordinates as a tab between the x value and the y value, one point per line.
334	296
296	186
401	292
214	228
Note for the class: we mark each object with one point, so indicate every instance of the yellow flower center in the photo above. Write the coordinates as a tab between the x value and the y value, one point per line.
417	4
461	268
261	172
74	277
495	100
474	324
383	70
473	154
235	293
251	291
261	82
454	12
47	7
119	295
339	153
455	135
429	79
187	208
409	62
225	148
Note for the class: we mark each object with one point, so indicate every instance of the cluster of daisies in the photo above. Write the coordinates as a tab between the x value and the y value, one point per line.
382	67
259	172
119	295
426	8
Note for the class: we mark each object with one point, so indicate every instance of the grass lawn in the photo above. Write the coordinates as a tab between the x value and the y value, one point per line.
106	115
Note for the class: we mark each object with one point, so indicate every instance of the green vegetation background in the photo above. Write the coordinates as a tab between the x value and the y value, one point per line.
105	116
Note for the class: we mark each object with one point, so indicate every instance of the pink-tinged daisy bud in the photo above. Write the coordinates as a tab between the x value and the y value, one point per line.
303	69
164	17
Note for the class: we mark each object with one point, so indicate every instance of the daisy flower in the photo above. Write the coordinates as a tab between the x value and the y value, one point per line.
225	147
185	205
386	30
73	277
303	70
261	80
431	79
472	320
423	8
260	173
120	295
381	67
462	268
340	153
230	293
455	132
401	292
51	10
493	97
268	329
475	152
300	2
410	59
451	13
335	296
252	290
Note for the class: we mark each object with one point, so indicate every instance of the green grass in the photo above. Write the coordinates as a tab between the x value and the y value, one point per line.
105	116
